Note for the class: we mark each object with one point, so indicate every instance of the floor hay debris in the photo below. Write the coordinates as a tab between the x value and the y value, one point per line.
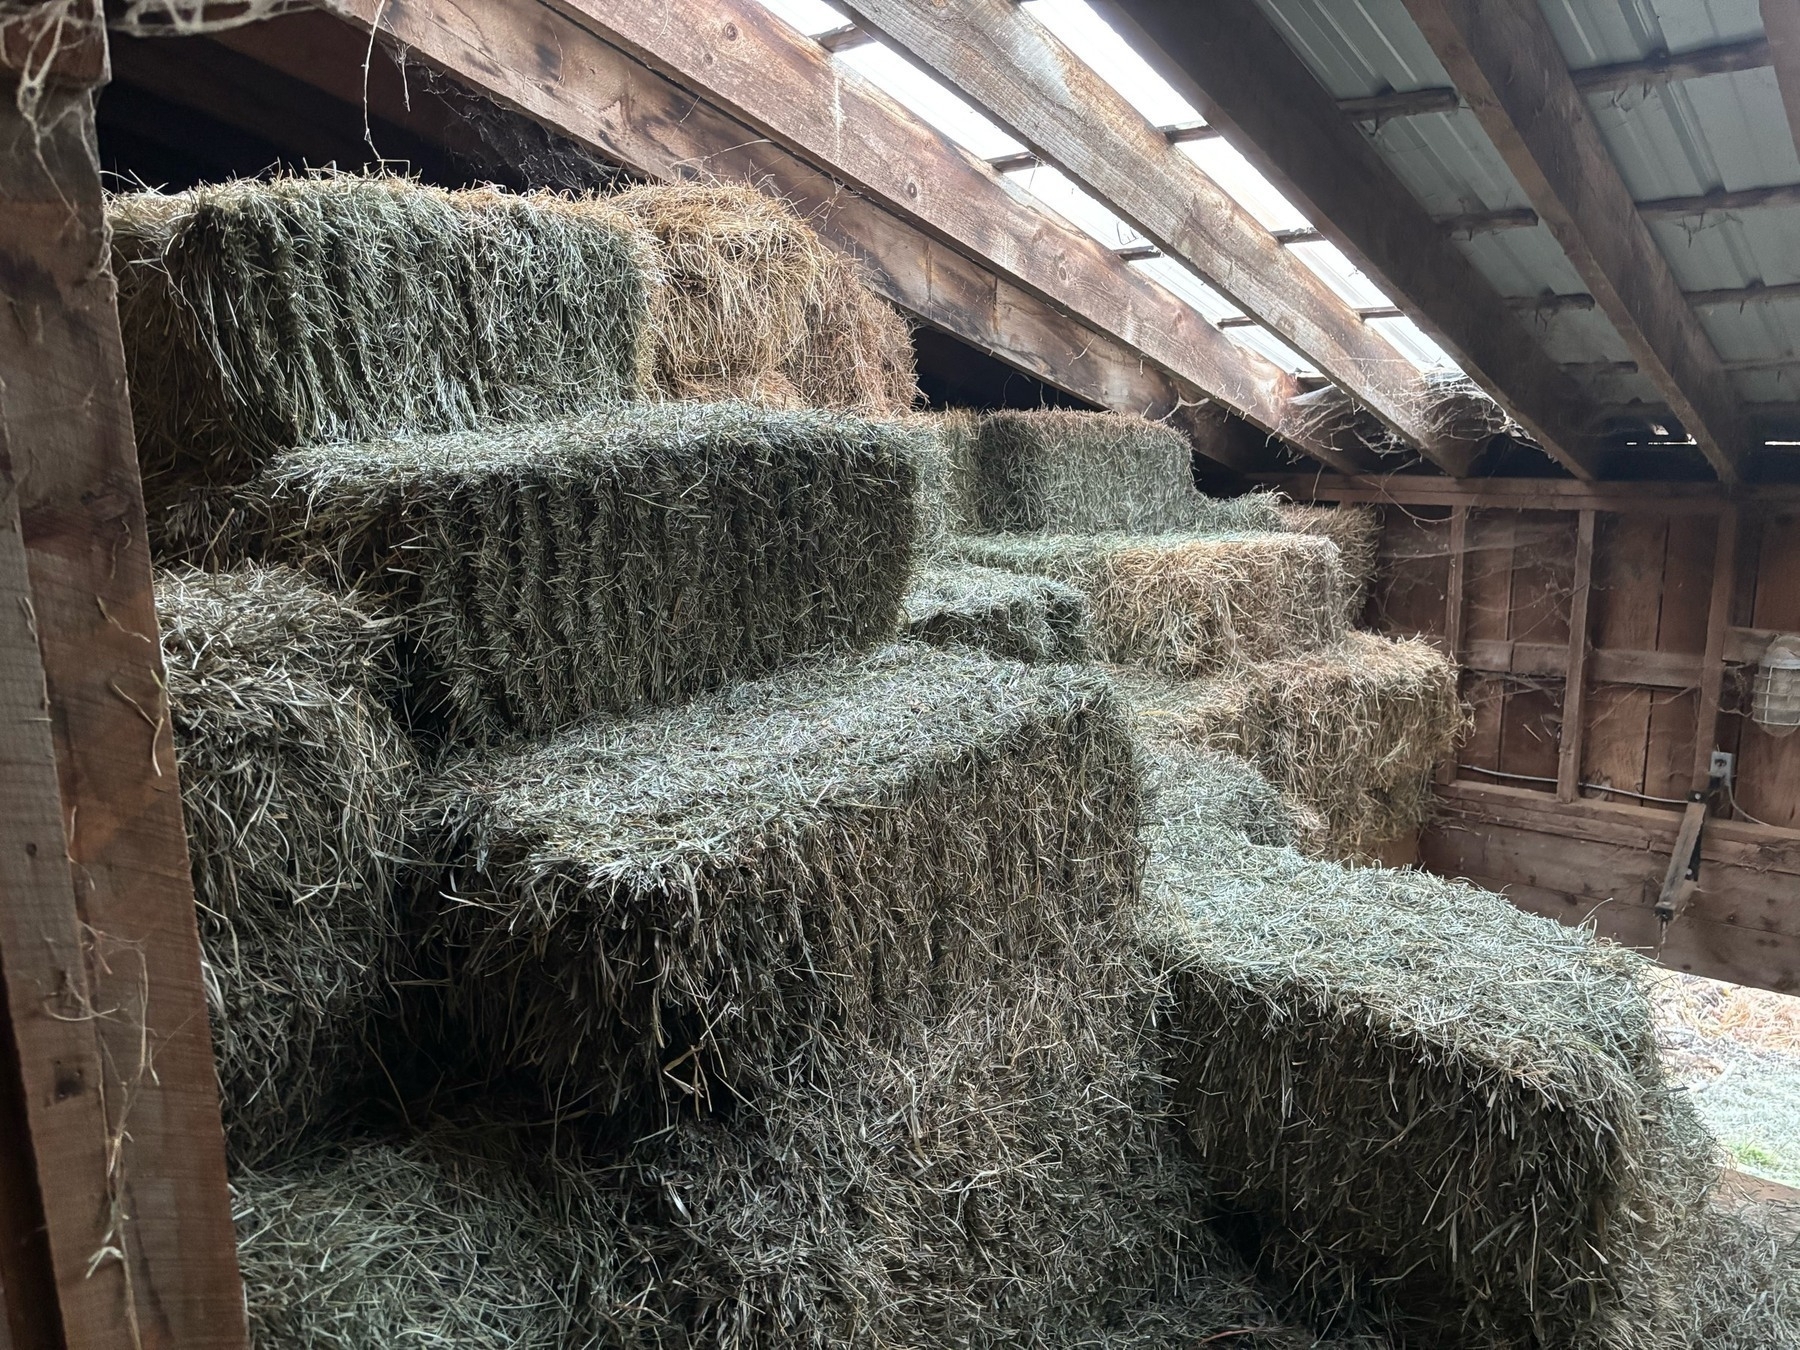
543	573
1007	614
1187	604
1356	530
261	315
293	778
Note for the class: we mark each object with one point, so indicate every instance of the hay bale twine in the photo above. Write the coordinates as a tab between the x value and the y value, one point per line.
758	307
1007	614
1187	604
1356	530
261	315
677	903
539	574
293	776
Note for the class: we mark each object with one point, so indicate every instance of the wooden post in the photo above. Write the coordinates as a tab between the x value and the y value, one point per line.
1453	609
1568	761
98	946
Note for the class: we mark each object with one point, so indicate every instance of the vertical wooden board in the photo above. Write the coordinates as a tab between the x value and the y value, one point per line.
1538	611
1669	768
1413	570
1629	554
1487	580
1768	787
1687	584
1617	745
1486	697
1530	735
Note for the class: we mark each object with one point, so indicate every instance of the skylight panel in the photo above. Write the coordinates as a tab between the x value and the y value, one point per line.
1411	341
1265	343
1189	287
930	101
1242	181
1328	263
1096	42
811	17
1055	190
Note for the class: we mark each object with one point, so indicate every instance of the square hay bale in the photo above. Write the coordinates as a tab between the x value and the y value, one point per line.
1353	731
260	315
293	780
1061	472
758	307
1356	530
1419	1098
944	453
1008	614
543	573
680	904
1187	604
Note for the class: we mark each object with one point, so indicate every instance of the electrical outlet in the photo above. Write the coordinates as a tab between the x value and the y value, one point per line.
1722	766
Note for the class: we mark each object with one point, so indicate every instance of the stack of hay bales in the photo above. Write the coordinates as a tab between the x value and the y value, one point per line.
1356	530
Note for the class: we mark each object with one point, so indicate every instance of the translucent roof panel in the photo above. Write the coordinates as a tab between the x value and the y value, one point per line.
811	17
1096	42
930	101
1265	343
1186	284
1328	263
1246	185
1055	190
1411	341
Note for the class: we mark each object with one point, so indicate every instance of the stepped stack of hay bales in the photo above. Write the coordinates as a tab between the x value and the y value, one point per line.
293	785
1010	614
1356	530
543	572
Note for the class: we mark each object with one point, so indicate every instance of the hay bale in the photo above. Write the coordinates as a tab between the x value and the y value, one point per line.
1008	614
1187	604
292	783
543	573
944	450
1353	731
677	902
757	307
260	315
1745	1292
1420	1098
1356	530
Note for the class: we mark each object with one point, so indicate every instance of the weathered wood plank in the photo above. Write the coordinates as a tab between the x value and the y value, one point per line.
1453	609
1781	21
1769	766
1020	73
1574	709
1503	57
97	934
1671	499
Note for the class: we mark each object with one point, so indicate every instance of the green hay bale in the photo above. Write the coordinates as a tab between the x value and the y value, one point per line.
1187	604
543	573
1218	791
1352	731
292	783
1423	1098
677	903
1745	1292
1007	614
1356	530
944	451
1064	472
265	314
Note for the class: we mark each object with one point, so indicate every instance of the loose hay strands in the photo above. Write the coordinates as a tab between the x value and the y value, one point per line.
1424	1098
673	904
1065	472
757	307
1356	530
1188	604
1007	614
1745	1293
543	573
292	779
261	315
1352	731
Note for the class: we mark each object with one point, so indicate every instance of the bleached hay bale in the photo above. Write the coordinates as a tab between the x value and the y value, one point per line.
758	307
1353	731
1187	604
1423	1098
1356	530
1007	614
260	315
679	902
1061	472
543	573
292	783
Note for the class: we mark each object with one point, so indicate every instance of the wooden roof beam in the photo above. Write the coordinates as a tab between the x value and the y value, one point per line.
1245	80
1781	21
1018	72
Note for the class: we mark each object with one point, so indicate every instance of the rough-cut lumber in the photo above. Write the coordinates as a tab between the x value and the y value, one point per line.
1237	69
1781	21
1504	58
1045	94
97	936
1568	757
1676	499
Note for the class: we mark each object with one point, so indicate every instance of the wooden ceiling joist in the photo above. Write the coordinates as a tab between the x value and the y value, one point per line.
1018	72
1503	57
1781	21
1239	71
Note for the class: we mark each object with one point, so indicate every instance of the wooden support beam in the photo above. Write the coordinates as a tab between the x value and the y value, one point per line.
1454	586
1718	636
1021	74
1574	712
1239	71
1552	494
1756	293
98	946
1781	21
1504	58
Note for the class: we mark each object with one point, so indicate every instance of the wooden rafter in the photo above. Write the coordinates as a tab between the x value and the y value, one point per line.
1503	57
1236	68
1020	73
1781	21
